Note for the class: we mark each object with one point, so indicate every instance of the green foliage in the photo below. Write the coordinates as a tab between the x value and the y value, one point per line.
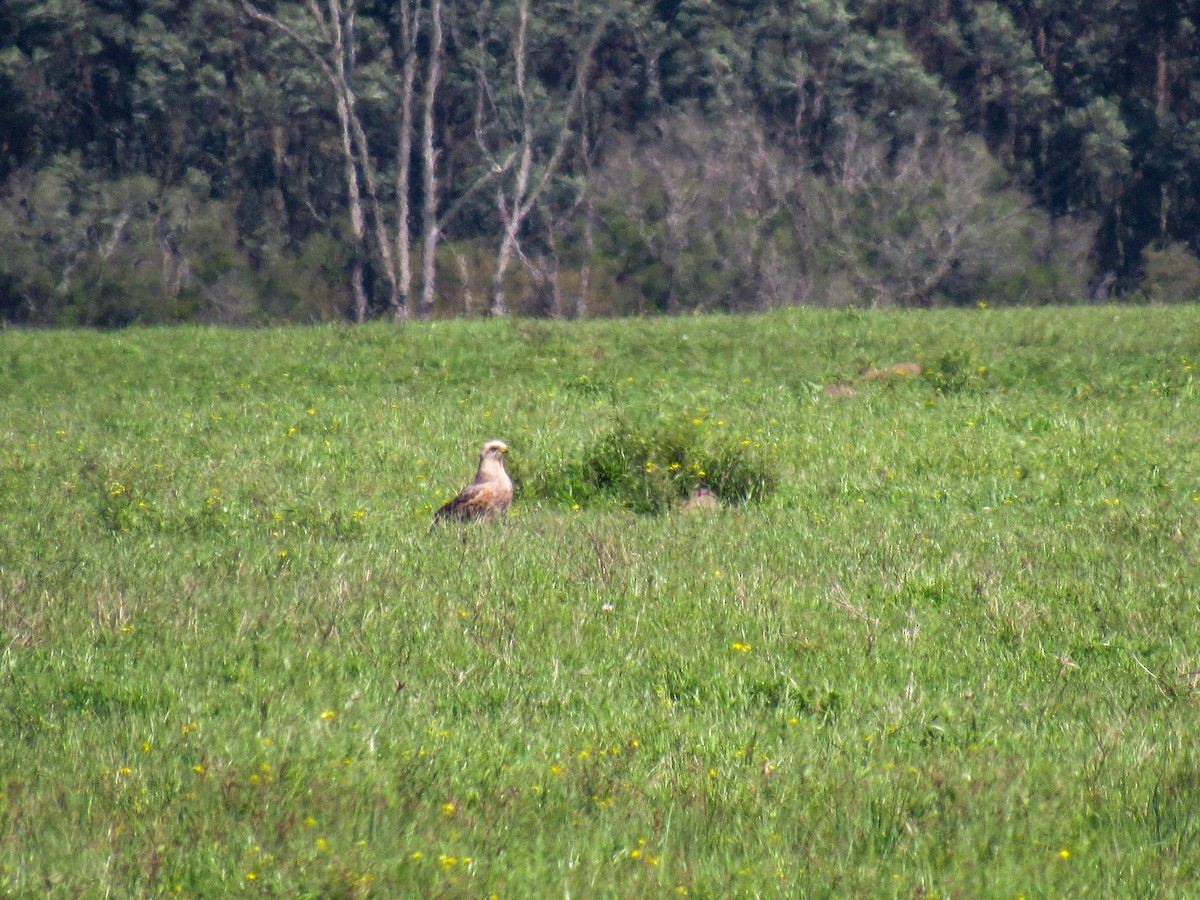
307	285
78	250
651	468
955	371
1172	276
724	157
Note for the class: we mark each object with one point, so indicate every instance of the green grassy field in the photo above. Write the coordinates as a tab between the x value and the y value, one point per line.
953	653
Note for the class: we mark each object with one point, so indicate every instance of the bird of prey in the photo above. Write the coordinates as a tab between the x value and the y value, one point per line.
488	496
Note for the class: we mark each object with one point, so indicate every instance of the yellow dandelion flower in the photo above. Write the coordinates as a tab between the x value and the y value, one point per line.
1064	854
329	714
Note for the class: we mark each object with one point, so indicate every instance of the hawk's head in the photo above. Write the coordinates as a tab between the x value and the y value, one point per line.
493	450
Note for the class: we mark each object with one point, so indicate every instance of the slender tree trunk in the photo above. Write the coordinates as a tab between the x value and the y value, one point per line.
357	220
498	303
546	278
429	162
410	26
514	211
1160	106
510	213
343	54
589	241
464	277
1160	75
335	72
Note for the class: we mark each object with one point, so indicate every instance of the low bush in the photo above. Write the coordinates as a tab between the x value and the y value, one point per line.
1172	276
650	468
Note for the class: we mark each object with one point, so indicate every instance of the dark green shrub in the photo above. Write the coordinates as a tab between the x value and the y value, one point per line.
649	468
955	371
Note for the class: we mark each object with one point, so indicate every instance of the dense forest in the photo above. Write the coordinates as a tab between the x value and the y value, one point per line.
248	161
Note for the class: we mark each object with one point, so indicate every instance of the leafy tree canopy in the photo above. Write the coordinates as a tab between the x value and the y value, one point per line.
231	161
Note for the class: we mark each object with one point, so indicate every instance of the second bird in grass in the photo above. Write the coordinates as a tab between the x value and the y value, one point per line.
488	496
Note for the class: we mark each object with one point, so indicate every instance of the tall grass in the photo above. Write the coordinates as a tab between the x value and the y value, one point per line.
952	652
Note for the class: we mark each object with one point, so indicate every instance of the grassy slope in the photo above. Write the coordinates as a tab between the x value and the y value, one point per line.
954	654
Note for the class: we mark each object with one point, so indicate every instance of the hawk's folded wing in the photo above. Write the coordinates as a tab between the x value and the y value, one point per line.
475	501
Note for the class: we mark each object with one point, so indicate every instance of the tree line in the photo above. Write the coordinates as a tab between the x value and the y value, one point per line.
247	161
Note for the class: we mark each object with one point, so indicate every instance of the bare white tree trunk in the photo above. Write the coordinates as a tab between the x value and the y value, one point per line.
357	219
410	26
515	205
429	159
336	27
589	240
510	215
464	277
344	49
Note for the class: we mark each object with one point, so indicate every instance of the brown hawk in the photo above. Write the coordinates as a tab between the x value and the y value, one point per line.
488	496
